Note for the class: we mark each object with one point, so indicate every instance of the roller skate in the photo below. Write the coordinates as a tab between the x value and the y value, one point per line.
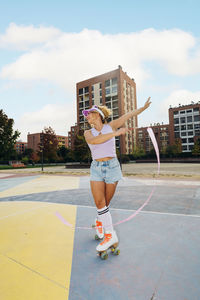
99	230
110	242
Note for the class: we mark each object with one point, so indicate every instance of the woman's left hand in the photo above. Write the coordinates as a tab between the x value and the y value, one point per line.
147	103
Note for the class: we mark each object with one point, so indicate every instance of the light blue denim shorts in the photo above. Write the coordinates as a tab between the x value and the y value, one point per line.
108	171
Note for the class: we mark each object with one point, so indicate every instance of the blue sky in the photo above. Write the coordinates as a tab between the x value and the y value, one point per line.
42	42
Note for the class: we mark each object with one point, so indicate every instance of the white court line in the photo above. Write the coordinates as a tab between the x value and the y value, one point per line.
143	211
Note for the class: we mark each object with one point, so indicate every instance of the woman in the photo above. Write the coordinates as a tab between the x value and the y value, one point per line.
105	171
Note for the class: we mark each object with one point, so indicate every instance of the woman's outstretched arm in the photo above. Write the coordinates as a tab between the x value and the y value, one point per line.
120	121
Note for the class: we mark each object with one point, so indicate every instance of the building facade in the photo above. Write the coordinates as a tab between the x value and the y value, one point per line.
184	122
161	133
34	139
20	147
71	136
117	91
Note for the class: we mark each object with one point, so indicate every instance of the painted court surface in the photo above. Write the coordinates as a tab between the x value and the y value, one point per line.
46	253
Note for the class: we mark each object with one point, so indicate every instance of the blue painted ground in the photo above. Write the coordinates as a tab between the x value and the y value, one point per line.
160	247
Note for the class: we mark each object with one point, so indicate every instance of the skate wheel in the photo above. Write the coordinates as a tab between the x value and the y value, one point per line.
104	255
115	251
96	237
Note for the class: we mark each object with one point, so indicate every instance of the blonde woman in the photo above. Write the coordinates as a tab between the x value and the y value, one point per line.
105	171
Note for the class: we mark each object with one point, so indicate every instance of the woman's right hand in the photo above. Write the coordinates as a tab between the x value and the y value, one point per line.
121	131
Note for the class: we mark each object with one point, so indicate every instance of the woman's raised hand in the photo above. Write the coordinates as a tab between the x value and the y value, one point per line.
147	103
121	131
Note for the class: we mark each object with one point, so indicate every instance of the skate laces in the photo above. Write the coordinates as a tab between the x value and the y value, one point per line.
107	238
99	226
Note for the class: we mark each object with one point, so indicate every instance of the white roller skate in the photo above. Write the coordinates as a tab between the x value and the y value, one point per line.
99	230
110	242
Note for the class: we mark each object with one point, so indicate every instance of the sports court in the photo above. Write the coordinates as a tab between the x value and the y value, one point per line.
47	248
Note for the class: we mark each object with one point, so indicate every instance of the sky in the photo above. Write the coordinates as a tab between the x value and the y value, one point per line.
46	47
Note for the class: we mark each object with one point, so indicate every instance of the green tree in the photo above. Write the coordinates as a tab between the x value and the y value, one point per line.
139	152
8	137
196	148
175	149
48	145
65	154
81	149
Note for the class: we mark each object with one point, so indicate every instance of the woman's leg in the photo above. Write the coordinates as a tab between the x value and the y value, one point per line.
109	191
98	189
98	192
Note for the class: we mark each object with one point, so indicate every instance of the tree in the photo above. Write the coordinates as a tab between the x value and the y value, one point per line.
8	137
48	145
175	149
81	149
65	154
196	148
139	152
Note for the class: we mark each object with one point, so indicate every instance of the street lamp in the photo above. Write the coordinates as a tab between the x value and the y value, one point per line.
42	138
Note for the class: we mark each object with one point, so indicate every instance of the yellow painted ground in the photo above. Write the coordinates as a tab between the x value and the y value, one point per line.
42	184
35	250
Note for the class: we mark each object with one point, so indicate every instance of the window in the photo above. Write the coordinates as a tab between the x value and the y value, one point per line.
197	132
114	89
190	126
86	89
183	133
176	135
114	81
190	132
196	126
184	141
196	118
182	112
189	111
108	99
175	112
100	93
176	121
107	91
183	127
191	147
87	103
196	109
184	148
189	119
107	83
182	120
80	91
190	140
100	85
114	98
115	104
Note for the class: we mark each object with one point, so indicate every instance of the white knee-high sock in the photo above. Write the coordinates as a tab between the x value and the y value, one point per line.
104	216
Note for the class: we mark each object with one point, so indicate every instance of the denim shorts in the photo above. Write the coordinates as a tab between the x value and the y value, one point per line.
108	171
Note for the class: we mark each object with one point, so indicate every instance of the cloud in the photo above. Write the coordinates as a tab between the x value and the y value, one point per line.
59	116
23	37
180	97
66	58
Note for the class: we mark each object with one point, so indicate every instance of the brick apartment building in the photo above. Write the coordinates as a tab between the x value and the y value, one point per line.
35	138
117	91
184	124
71	136
20	147
161	133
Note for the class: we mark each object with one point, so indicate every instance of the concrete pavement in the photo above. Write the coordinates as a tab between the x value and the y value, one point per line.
47	252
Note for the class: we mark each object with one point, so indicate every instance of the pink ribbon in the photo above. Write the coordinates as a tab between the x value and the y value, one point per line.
155	145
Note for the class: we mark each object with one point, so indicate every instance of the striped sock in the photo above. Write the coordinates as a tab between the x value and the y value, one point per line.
104	216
